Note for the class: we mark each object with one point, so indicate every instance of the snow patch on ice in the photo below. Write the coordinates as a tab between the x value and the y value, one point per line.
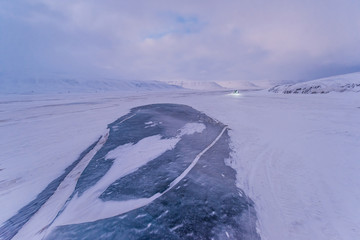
150	124
78	212
127	159
191	128
34	228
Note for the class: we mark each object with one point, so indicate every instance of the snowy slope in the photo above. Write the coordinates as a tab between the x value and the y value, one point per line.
341	83
26	86
197	85
218	85
241	85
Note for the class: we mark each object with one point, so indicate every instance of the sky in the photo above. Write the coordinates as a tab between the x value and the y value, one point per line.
204	40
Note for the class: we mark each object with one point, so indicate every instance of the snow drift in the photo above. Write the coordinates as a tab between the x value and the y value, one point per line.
341	83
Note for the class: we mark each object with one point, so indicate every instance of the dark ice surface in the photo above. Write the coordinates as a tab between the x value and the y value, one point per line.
206	204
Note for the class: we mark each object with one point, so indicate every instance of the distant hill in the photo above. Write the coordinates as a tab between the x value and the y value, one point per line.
240	85
196	85
340	83
33	86
215	85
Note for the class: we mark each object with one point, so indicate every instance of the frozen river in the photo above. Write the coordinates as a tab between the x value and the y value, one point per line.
159	172
295	156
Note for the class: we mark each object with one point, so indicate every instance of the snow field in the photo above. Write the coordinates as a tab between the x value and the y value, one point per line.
296	156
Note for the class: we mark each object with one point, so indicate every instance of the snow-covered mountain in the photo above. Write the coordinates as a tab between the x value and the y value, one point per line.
196	85
340	83
215	85
241	85
30	86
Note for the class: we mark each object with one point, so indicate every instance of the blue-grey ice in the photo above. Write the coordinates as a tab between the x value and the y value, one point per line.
160	173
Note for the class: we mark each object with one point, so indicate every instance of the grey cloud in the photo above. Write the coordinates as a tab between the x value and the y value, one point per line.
168	40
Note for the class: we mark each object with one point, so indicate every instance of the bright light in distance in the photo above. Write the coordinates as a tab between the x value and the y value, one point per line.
235	93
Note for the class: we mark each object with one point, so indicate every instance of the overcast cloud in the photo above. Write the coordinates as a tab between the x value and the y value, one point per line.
276	40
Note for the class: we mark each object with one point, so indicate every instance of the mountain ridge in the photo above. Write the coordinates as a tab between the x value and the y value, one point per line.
71	85
339	83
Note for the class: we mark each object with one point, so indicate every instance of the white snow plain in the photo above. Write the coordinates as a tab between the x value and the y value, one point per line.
296	156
